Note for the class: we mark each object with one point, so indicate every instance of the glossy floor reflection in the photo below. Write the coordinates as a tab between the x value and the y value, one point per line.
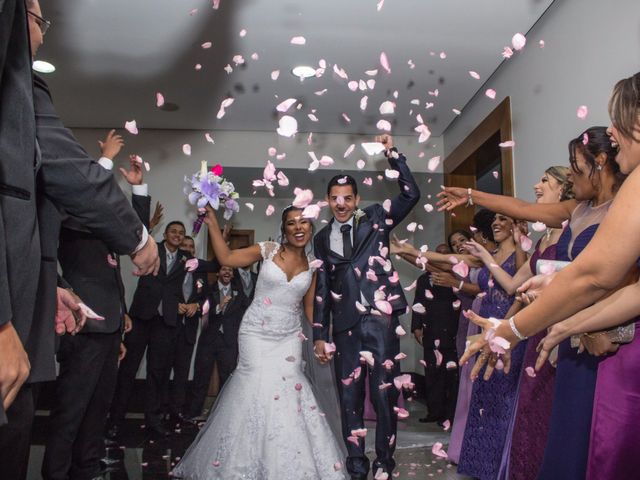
137	455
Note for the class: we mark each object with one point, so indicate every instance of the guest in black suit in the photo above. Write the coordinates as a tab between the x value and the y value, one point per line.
67	180
189	313
89	360
435	329
347	246
218	340
154	312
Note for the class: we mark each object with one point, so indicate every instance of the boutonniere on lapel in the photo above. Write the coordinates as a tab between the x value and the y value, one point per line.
358	215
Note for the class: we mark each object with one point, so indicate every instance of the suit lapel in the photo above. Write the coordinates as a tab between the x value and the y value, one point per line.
162	253
363	229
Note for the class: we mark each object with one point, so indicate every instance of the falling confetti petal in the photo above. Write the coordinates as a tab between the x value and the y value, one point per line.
538	227
298	41
387	108
186	149
475	75
530	371
526	243
349	150
131	127
209	138
243	32
360	164
518	41
541	43
363	103
225	103
250	206
269	211
275	74
507	144
286	105
461	269
507	52
433	163
383	125
491	93
384	62
438	451
288	126
159	99
582	112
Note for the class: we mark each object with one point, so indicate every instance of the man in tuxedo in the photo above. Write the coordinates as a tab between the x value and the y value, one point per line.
218	340
189	311
154	312
66	179
358	294
89	360
435	330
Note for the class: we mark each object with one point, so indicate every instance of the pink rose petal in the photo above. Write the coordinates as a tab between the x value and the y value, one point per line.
582	112
288	126
507	144
518	41
438	451
186	149
286	105
384	62
298	41
269	211
159	99
131	127
491	93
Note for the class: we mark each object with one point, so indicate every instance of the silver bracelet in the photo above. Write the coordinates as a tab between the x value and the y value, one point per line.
515	331
469	198
461	285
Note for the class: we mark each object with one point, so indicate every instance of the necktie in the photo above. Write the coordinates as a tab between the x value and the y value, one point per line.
170	258
347	249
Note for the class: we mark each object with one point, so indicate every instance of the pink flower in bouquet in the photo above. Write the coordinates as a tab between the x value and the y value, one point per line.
217	170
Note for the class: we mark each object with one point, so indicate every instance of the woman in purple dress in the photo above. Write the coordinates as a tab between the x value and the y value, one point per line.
469	300
525	445
493	401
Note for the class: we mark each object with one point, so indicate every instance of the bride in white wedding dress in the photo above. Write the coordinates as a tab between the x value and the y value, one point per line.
266	423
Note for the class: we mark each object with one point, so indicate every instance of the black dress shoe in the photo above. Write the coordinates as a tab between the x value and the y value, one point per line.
159	431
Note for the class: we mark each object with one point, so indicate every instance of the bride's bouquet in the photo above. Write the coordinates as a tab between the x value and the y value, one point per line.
209	187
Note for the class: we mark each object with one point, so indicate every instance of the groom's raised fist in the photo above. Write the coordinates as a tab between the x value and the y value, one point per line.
386	140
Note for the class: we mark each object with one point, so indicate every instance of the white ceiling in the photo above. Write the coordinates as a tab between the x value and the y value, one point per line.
113	56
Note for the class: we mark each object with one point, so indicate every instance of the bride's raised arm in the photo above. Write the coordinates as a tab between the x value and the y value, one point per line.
237	258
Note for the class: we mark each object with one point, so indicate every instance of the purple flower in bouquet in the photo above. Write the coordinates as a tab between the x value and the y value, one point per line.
210	188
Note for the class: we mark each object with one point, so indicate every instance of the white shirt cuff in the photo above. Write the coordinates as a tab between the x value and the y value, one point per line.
106	163
143	242
140	190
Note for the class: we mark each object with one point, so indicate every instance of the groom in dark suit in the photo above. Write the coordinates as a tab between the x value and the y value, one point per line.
359	295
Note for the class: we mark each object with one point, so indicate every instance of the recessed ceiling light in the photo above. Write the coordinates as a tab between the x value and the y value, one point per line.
41	66
304	71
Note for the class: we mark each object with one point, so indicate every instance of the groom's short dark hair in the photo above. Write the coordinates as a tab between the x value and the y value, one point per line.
342	180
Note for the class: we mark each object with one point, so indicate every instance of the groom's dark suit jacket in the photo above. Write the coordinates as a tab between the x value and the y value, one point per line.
347	276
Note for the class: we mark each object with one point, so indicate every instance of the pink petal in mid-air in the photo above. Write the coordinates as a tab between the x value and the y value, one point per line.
159	99
286	105
433	163
288	126
186	149
475	75
461	269
525	243
518	41
298	40
491	93
384	62
530	371
269	211
131	127
507	144
582	112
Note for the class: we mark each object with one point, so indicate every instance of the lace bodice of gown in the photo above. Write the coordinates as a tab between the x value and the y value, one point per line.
277	304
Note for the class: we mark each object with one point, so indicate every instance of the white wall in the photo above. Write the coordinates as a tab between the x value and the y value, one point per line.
589	46
163	150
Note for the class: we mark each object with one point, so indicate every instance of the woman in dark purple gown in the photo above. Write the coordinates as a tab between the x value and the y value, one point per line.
492	402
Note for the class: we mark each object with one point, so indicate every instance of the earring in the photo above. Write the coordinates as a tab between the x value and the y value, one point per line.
599	167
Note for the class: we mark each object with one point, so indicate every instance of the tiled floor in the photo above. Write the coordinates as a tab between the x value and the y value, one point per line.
136	456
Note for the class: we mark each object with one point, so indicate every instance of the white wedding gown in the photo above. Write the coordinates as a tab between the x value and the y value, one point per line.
266	423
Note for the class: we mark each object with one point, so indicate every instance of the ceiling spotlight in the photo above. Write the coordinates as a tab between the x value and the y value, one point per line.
41	66
304	71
